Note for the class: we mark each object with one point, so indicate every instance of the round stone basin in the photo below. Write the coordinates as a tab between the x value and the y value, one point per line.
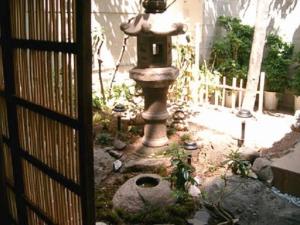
147	182
142	190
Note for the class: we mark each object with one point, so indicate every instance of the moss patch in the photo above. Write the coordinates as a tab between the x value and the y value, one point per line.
175	214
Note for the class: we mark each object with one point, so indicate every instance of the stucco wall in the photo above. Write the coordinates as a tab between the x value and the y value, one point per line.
110	13
284	18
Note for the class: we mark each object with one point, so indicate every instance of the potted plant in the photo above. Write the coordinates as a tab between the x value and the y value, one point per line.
276	65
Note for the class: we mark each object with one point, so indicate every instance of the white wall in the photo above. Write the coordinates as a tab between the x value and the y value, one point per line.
285	19
284	15
111	13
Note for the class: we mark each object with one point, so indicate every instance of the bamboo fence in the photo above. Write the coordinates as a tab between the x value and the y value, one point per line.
47	79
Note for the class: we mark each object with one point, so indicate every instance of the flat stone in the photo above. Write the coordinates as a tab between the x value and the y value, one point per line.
287	172
116	154
201	218
119	145
132	198
100	223
146	164
249	154
103	165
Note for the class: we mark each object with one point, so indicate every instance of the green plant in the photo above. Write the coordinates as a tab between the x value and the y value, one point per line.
184	56
295	84
185	137
230	54
237	164
181	175
104	139
276	63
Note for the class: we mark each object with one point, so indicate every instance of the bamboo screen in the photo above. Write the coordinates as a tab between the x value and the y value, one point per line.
47	146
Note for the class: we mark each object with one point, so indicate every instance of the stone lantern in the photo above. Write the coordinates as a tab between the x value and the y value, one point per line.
154	71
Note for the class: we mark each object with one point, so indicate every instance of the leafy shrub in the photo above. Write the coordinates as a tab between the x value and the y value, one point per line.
181	175
230	54
238	165
276	63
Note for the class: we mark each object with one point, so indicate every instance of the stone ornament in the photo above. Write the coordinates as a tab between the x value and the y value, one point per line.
154	71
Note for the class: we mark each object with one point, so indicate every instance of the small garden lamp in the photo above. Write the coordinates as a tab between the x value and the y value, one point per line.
192	150
119	109
243	114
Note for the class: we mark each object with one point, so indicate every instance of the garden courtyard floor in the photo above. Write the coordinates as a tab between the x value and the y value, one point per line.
251	200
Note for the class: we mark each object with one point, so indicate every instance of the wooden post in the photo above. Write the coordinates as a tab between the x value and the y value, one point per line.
241	93
224	90
233	95
261	92
197	45
206	89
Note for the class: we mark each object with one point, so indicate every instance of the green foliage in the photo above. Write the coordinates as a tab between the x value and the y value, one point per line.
185	137
276	63
295	84
238	165
174	214
230	54
104	139
181	175
184	60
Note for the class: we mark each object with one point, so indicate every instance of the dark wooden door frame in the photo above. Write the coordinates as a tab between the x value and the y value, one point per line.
82	49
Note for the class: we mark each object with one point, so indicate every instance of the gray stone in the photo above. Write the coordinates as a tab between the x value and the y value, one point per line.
103	164
296	123
245	197
194	191
133	198
146	164
262	168
248	154
201	218
117	165
116	154
119	145
100	223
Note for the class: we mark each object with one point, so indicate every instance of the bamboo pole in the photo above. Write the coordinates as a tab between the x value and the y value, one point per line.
241	94
223	91
233	95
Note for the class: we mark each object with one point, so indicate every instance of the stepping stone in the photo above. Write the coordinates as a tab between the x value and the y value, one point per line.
286	172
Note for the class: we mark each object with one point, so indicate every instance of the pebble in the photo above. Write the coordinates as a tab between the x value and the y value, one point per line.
117	165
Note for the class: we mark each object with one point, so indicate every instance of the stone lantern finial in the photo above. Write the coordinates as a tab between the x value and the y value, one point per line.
154	6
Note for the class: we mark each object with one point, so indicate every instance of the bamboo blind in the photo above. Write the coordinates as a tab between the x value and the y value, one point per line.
3	118
12	207
1	72
34	219
59	203
49	141
8	164
47	20
47	79
46	99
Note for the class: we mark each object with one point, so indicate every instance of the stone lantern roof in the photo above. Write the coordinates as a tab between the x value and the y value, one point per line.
153	24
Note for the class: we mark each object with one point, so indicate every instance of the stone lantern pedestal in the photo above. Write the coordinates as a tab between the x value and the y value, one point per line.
154	71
